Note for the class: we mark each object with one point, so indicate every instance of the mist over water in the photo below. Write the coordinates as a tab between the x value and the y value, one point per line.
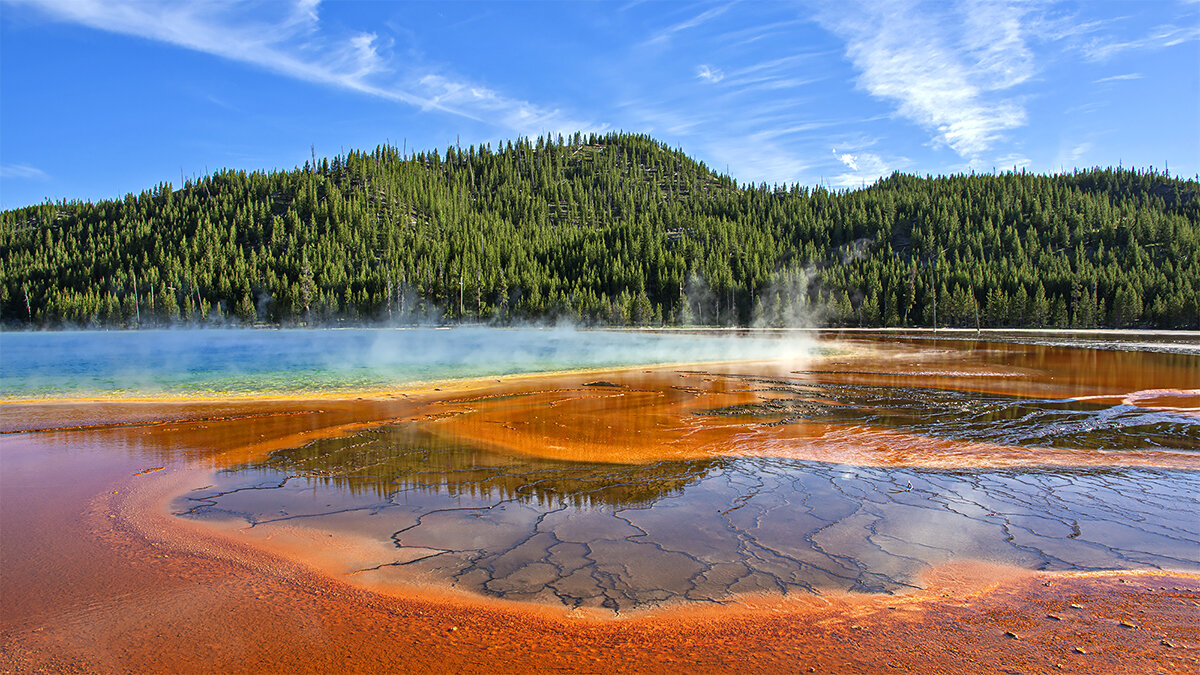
244	362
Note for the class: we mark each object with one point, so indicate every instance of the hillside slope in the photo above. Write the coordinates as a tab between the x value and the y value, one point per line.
614	229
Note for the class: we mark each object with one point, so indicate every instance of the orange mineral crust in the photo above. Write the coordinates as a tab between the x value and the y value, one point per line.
649	418
97	573
119	596
655	415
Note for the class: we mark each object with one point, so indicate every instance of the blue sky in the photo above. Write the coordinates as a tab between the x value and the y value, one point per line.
100	98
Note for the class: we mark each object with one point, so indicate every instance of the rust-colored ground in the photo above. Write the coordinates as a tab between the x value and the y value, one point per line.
96	576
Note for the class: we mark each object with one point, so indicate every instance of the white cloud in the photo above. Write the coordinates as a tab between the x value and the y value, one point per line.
1070	154
22	171
752	159
713	75
779	73
745	36
520	116
701	18
1078	151
1013	160
1085	108
1102	49
1119	78
948	70
865	168
994	40
289	39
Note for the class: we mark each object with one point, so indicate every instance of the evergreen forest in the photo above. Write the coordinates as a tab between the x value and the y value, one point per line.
613	229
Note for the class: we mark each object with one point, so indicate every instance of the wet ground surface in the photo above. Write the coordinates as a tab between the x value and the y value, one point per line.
1064	423
884	467
631	535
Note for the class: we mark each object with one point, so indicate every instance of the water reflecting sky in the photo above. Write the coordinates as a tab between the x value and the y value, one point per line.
629	535
847	465
238	361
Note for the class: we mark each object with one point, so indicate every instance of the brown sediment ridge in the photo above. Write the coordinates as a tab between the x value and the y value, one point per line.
120	585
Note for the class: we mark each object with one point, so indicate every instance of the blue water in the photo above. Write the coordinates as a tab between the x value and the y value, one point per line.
243	362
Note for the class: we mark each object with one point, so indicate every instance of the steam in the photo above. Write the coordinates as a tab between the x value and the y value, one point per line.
855	250
231	362
698	305
788	301
409	344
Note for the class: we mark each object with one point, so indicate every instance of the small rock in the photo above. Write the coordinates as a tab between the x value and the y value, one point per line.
1080	650
1056	618
453	628
1073	606
1127	624
1166	643
1010	634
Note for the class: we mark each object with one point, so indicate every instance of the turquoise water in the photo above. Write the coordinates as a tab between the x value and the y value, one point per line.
242	362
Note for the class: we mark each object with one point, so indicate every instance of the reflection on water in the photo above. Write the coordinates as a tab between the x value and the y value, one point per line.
627	536
402	458
857	470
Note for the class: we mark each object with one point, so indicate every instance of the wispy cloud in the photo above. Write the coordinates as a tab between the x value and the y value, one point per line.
770	69
706	72
949	70
745	36
522	117
1013	161
1070	153
1119	78
289	39
22	171
756	160
742	145
701	18
287	42
1085	108
1102	49
770	76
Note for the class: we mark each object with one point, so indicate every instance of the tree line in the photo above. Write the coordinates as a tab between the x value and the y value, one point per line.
614	229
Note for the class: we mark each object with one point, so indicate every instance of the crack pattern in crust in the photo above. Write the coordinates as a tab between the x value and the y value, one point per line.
630	536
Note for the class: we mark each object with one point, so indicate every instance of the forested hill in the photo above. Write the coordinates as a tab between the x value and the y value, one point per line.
614	229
